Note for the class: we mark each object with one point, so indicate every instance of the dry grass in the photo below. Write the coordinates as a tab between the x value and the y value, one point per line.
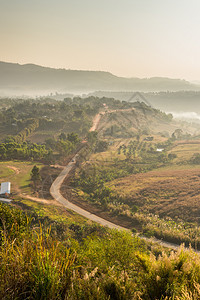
41	136
54	212
185	149
130	121
112	153
170	192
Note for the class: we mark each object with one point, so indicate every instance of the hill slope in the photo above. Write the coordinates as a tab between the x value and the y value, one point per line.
176	101
30	78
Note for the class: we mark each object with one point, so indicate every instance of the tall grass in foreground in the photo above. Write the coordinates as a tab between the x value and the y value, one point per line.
36	268
113	265
41	268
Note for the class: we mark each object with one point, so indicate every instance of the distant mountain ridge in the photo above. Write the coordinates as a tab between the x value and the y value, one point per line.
31	78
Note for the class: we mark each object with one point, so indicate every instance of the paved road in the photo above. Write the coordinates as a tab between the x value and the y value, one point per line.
55	192
56	185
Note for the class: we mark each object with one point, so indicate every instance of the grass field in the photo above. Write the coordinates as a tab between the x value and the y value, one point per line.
41	136
112	153
172	192
5	171
18	173
185	149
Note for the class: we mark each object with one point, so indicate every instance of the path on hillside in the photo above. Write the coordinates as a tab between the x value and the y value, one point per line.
96	121
56	194
97	118
56	185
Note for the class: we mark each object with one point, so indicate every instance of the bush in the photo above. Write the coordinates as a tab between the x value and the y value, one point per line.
195	159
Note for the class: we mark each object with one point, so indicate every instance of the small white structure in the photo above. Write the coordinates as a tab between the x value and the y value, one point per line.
5	188
159	150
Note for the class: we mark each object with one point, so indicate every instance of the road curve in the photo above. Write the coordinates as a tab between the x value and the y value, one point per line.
55	192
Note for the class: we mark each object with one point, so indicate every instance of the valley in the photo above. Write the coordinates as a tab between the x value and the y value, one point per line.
132	184
135	171
99	150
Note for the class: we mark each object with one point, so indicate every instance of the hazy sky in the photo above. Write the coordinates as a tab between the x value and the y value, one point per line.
133	38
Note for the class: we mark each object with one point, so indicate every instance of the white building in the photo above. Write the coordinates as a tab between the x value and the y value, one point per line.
159	150
5	188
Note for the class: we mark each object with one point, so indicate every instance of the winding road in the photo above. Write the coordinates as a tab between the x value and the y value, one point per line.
56	194
56	185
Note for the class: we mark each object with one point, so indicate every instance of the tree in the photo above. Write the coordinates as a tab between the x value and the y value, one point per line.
64	147
177	134
172	156
78	113
50	143
73	138
62	136
101	146
92	137
35	176
195	159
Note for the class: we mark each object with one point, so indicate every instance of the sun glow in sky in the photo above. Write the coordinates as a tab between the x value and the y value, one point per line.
131	38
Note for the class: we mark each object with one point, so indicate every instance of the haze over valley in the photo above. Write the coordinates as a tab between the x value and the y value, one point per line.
30	79
169	95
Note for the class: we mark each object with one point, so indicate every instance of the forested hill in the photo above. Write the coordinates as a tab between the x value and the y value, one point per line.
177	101
17	79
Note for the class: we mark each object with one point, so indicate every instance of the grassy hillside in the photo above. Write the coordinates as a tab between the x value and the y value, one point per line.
138	119
173	192
18	172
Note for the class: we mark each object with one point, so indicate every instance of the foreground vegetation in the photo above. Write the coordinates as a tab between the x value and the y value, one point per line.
38	262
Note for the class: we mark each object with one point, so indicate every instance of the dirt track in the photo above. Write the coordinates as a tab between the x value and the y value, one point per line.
45	201
17	171
96	121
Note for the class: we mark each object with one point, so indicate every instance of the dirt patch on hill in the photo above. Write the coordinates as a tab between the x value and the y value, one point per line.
17	170
41	200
